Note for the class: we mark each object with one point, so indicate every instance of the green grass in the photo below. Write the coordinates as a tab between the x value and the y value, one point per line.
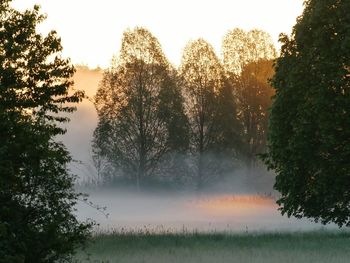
321	246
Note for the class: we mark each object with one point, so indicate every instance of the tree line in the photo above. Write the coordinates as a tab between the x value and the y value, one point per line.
192	124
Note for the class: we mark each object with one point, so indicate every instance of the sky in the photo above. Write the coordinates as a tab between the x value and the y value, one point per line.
91	30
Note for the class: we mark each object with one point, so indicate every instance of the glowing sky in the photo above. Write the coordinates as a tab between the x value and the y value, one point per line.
91	30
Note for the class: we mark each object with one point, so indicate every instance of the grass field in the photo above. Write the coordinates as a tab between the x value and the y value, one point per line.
320	246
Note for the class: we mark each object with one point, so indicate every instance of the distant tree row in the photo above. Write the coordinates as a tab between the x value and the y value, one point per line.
192	124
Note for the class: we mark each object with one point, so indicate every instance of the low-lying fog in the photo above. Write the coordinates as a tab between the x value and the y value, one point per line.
83	122
131	211
175	211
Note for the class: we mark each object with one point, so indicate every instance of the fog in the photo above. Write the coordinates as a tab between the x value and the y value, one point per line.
178	212
83	122
236	204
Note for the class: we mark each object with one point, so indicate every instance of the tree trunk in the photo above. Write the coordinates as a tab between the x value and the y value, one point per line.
200	173
200	158
141	173
138	182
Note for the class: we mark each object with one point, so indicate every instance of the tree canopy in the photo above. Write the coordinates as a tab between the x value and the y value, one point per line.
140	108
239	48
210	107
248	60
309	137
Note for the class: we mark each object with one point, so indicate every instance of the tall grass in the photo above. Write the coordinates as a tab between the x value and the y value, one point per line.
192	247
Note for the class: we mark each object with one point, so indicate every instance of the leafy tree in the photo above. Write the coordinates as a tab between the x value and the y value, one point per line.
247	58
37	198
309	134
140	108
212	119
171	111
255	98
239	48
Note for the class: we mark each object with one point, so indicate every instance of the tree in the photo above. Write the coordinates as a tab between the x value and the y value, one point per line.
171	111
309	136
210	108
140	108
255	98
247	58
239	48
37	198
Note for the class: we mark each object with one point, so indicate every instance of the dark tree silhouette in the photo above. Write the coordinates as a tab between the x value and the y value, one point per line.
37	198
254	95
210	108
309	135
141	118
247	58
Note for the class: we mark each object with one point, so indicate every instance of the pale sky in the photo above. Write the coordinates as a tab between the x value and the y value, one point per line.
91	30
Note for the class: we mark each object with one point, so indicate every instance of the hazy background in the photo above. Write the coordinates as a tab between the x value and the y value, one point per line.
91	33
91	30
177	212
83	122
233	205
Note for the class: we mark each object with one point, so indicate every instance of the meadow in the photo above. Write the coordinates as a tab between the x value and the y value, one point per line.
274	247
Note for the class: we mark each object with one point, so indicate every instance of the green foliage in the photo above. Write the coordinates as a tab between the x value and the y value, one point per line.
310	118
36	189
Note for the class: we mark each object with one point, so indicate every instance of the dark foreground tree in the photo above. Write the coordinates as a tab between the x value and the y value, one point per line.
309	139
37	198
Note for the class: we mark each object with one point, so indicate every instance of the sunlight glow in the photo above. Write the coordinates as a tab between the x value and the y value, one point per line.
91	30
233	204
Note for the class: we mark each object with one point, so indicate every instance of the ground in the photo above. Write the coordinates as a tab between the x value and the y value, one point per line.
317	246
